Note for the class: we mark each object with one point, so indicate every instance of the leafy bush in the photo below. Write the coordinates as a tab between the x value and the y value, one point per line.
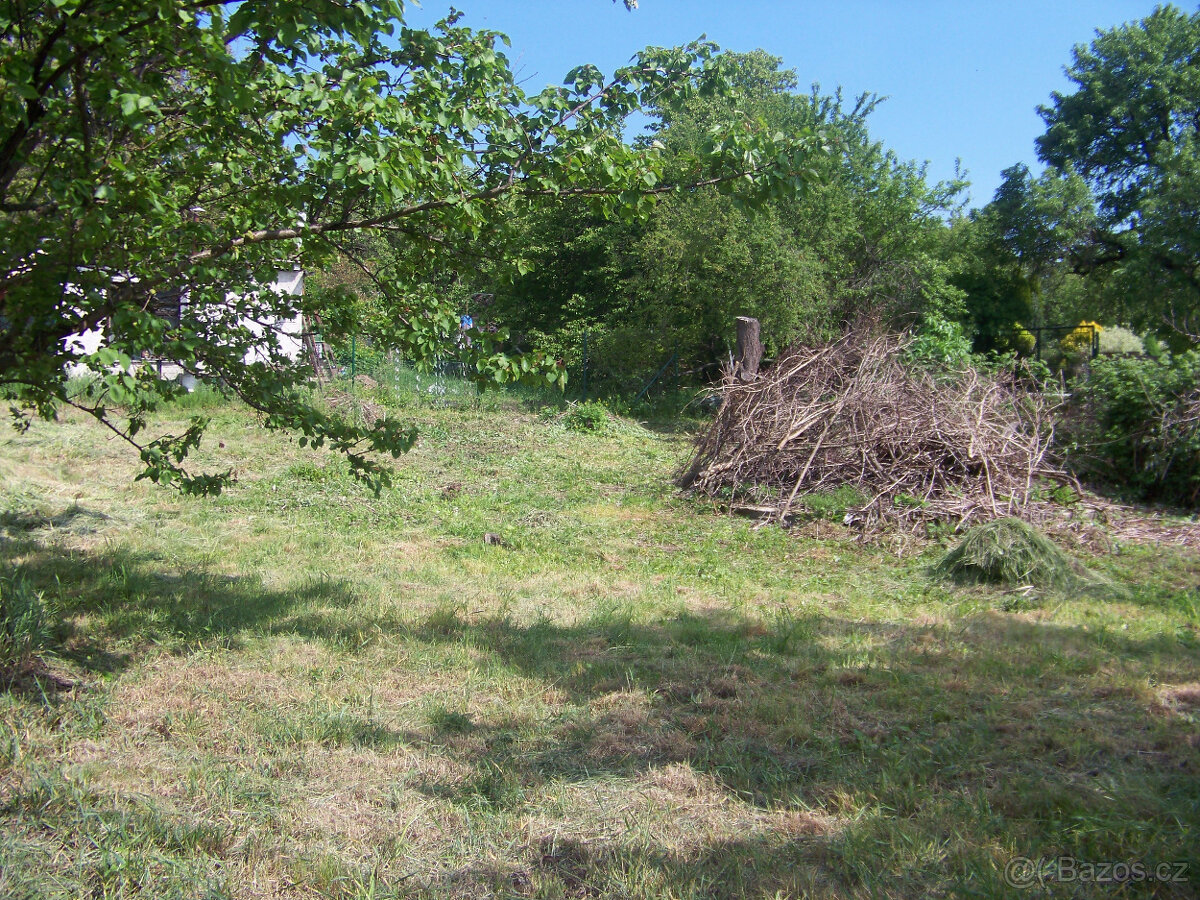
620	358
589	416
939	342
1118	340
1022	340
1079	341
26	626
1135	425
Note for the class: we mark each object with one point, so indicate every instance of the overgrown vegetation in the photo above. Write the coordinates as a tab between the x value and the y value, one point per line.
617	265
865	235
589	416
387	151
526	666
1134	425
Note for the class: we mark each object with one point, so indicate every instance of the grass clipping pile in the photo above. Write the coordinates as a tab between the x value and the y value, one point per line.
1011	552
962	449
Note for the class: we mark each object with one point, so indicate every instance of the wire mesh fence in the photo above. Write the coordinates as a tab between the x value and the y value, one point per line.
591	375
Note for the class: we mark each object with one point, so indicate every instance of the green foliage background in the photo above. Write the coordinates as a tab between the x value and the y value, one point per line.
1136	426
865	237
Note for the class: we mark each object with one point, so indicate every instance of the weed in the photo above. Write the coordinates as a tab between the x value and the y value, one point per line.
202	396
445	619
449	720
308	472
587	416
1064	495
786	632
832	505
492	786
26	624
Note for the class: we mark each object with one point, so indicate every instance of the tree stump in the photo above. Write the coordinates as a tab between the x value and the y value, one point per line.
749	348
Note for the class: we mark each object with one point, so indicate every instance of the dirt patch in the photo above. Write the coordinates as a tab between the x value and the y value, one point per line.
1180	699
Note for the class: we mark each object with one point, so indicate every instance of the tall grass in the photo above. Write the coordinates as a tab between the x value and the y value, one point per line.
26	624
1010	552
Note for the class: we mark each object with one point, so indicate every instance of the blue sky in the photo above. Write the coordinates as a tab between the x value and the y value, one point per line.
963	79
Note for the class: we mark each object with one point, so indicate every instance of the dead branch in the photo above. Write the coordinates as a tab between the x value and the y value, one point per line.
955	448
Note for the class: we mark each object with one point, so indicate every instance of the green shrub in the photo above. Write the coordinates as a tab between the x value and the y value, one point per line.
26	626
1134	425
589	416
1121	341
939	342
621	360
1024	341
1078	343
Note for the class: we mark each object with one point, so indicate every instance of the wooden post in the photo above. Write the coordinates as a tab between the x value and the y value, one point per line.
585	365
749	348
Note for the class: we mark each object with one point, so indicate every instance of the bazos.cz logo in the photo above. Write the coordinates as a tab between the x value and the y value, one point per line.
1027	872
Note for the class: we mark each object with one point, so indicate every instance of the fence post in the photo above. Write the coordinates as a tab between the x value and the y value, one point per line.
749	348
585	364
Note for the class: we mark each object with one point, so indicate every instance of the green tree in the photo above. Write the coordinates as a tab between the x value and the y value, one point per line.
862	238
1014	255
1130	130
149	146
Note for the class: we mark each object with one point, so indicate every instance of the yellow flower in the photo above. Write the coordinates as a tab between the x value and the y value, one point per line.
1079	341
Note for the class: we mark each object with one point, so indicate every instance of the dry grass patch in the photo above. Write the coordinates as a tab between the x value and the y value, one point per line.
1181	699
674	808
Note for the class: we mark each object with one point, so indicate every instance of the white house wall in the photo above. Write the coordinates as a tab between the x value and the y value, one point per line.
287	332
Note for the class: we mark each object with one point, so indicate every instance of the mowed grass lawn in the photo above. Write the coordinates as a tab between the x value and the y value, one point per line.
299	689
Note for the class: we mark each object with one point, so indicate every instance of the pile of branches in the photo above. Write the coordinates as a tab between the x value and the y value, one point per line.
960	448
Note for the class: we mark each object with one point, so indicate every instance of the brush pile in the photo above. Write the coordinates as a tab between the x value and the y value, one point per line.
917	447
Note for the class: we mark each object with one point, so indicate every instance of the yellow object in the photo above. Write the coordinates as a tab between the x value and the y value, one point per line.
1079	341
1022	340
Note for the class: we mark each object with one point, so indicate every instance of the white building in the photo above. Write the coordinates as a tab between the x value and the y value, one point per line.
288	333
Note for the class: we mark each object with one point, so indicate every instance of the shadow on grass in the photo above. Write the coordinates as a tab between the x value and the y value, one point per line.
764	865
931	750
25	521
935	751
126	601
